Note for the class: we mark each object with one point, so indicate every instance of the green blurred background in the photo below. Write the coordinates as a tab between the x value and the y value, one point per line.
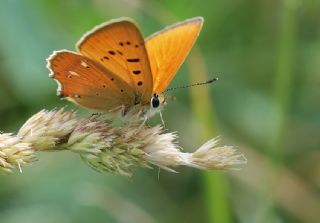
267	57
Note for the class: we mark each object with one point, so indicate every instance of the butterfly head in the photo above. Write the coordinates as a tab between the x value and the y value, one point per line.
156	104
157	101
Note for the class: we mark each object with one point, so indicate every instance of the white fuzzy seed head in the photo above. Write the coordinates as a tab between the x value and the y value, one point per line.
14	154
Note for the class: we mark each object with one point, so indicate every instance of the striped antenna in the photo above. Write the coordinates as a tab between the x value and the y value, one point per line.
192	85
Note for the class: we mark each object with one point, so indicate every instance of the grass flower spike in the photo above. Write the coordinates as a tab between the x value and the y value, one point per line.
106	147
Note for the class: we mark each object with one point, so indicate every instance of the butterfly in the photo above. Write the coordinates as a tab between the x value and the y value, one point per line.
116	69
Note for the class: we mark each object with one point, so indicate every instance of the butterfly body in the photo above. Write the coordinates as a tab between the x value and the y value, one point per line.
115	70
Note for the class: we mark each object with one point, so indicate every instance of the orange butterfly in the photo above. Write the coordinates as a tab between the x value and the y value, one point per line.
115	69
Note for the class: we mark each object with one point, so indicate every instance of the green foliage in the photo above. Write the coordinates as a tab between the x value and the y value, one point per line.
266	55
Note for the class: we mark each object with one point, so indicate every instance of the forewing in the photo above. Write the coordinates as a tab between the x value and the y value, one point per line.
168	49
119	46
87	83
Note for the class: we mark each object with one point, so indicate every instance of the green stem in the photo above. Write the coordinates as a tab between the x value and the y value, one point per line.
283	76
215	184
283	81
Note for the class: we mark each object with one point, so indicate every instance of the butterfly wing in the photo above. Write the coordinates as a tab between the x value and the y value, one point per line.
87	83
168	49
119	46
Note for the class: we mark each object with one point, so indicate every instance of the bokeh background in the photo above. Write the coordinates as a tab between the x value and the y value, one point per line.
266	102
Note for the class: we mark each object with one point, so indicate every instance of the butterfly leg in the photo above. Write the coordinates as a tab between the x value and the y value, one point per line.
147	124
162	121
144	120
96	115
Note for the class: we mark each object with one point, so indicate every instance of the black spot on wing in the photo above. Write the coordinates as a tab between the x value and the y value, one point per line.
136	72
133	60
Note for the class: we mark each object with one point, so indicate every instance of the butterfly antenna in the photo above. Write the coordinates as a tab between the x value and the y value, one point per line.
192	85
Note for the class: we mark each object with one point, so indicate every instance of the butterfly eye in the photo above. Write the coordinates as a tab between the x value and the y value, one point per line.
155	102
